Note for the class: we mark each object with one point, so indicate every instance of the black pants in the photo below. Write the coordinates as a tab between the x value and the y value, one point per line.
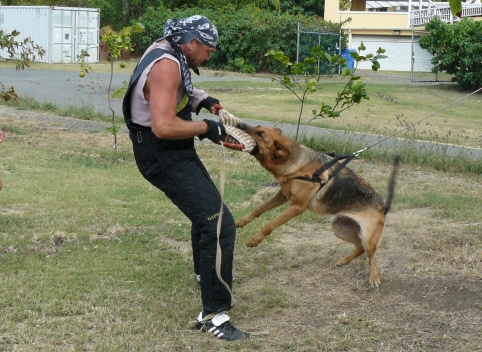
175	168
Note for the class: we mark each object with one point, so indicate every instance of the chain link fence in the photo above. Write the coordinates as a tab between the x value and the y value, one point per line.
329	40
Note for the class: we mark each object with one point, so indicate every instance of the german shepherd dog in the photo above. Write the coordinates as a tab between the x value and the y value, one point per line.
359	212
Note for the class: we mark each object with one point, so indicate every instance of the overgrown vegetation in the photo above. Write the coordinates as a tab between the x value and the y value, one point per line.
120	14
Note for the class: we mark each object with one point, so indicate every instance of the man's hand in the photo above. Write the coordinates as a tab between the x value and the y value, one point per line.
215	131
208	104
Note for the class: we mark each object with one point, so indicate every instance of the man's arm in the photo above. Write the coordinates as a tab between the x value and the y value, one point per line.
161	91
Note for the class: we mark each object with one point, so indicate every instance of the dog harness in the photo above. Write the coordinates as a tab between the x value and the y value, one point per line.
315	178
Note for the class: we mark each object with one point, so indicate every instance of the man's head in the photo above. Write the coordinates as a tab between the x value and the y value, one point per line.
196	35
195	27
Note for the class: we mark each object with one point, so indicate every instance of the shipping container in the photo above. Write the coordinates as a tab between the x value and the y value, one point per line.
62	31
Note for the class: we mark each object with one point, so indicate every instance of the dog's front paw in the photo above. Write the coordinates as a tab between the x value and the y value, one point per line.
241	222
254	241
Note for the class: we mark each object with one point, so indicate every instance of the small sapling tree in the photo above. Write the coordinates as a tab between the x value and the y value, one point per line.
303	78
116	43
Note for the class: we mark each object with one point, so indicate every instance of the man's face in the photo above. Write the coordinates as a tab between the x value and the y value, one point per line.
198	53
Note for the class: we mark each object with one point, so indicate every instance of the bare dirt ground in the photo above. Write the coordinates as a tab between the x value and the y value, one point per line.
431	270
430	298
425	303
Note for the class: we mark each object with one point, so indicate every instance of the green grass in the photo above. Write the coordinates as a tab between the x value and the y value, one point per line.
382	114
410	154
391	108
92	257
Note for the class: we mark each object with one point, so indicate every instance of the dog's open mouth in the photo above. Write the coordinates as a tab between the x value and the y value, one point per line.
255	150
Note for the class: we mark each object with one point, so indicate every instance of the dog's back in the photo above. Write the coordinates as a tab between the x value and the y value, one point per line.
354	189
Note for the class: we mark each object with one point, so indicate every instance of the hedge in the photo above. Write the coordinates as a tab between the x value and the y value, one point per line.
245	35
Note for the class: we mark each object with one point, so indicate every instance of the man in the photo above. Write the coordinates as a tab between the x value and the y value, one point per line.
157	108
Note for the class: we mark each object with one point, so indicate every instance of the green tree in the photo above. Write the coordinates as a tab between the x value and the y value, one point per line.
345	5
238	4
119	14
457	50
304	7
456	7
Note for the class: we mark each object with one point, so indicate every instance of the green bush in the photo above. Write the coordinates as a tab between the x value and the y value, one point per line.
245	35
117	14
457	50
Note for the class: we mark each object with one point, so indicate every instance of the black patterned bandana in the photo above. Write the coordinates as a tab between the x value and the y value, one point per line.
183	32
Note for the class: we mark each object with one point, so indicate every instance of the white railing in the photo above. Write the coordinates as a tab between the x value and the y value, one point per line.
472	10
420	17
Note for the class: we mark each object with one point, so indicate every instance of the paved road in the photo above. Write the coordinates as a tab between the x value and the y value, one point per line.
67	88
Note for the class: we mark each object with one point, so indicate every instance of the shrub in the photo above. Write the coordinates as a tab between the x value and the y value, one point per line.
457	50
245	34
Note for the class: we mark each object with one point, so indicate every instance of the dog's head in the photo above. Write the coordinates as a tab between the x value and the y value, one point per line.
272	148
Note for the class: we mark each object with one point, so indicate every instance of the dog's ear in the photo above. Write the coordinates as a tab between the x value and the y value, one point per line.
278	130
281	151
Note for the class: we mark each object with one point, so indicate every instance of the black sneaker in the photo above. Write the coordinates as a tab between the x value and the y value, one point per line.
221	328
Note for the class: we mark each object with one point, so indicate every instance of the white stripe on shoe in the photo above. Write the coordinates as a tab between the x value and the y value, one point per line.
216	332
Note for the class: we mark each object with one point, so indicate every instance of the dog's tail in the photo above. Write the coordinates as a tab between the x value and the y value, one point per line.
391	184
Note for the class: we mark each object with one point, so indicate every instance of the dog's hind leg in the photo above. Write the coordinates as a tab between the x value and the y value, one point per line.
348	230
371	236
365	236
